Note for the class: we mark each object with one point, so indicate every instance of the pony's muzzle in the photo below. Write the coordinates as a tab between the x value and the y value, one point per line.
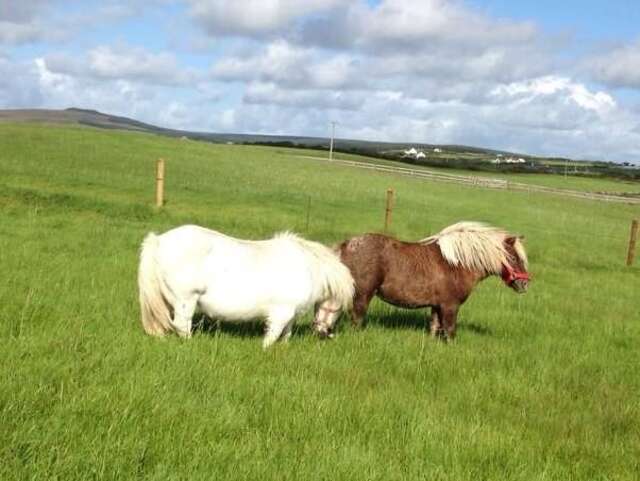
324	332
520	286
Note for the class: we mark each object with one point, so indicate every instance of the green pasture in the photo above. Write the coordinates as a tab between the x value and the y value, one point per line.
541	386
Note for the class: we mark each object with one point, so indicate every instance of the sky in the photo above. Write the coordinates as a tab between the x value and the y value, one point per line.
543	77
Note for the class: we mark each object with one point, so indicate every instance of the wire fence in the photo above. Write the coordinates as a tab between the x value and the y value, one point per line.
485	182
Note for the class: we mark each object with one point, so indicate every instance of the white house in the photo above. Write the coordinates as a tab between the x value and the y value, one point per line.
412	152
437	150
511	160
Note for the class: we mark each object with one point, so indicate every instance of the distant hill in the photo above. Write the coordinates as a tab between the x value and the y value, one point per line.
101	120
446	156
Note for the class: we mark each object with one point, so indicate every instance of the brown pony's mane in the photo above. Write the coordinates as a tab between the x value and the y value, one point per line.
476	246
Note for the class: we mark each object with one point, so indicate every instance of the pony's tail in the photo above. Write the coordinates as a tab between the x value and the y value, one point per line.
154	309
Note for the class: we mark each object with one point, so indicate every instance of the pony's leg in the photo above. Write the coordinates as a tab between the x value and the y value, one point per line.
436	326
360	305
183	316
286	332
278	320
449	317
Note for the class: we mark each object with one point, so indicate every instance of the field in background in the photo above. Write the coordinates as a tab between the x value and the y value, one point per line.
540	386
571	182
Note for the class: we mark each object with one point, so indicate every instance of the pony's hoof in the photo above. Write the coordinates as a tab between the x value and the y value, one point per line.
326	335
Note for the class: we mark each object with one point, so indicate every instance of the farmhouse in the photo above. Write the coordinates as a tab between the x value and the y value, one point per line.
413	153
508	160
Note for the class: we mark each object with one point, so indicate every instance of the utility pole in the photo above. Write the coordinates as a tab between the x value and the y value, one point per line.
333	134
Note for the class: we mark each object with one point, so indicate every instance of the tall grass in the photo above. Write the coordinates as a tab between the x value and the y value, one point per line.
540	386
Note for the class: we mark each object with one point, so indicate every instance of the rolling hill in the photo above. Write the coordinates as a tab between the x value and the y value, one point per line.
101	120
437	155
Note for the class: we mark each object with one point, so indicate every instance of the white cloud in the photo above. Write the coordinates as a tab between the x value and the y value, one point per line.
60	21
123	62
22	11
619	67
292	66
270	94
61	90
253	17
18	84
405	23
278	61
28	21
17	33
562	87
136	63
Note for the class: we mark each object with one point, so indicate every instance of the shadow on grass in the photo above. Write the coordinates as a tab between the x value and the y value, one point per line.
418	319
400	319
210	327
475	328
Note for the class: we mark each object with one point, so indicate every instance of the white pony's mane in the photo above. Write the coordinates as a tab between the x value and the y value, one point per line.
334	272
476	246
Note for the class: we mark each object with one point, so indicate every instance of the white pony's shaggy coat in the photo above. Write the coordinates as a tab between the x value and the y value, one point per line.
476	246
192	268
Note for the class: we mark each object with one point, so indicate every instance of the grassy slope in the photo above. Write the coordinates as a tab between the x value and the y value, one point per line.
541	386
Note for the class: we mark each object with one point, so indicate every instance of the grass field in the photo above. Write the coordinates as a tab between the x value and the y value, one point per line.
543	386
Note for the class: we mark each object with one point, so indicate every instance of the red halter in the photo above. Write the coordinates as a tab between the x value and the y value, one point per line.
509	275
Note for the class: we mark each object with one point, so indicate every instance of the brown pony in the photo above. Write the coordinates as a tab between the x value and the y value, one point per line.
438	272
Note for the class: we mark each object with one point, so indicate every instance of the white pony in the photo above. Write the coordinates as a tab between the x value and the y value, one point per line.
190	268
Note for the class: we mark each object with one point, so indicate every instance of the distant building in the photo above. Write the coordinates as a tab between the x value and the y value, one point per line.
508	160
437	150
412	152
512	160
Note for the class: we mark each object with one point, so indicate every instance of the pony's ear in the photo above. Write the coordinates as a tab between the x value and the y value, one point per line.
511	240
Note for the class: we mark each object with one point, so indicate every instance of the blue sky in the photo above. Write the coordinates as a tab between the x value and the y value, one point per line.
588	20
542	77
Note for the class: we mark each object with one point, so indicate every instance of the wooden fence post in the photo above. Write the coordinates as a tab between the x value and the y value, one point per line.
160	183
388	210
632	242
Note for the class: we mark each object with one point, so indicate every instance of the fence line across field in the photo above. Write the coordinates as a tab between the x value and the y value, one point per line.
486	182
481	181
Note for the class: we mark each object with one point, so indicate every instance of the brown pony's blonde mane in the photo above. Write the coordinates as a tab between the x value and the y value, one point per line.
476	246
